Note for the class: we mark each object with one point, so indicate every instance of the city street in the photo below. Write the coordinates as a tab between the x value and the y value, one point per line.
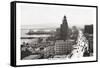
80	47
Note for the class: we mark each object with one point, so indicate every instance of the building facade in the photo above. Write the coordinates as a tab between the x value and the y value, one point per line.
64	29
63	47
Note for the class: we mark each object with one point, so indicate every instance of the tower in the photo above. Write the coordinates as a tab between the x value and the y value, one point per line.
64	29
63	46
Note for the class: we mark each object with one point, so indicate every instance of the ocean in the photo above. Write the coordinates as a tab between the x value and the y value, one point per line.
29	38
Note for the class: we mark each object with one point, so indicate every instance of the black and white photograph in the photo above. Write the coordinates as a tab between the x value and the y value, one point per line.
55	33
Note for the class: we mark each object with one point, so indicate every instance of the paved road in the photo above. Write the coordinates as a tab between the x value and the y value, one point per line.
80	47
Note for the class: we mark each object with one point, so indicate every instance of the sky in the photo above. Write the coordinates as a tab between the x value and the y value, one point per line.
51	16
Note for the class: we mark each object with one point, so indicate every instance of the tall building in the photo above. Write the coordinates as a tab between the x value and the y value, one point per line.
88	31
60	47
63	45
64	29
